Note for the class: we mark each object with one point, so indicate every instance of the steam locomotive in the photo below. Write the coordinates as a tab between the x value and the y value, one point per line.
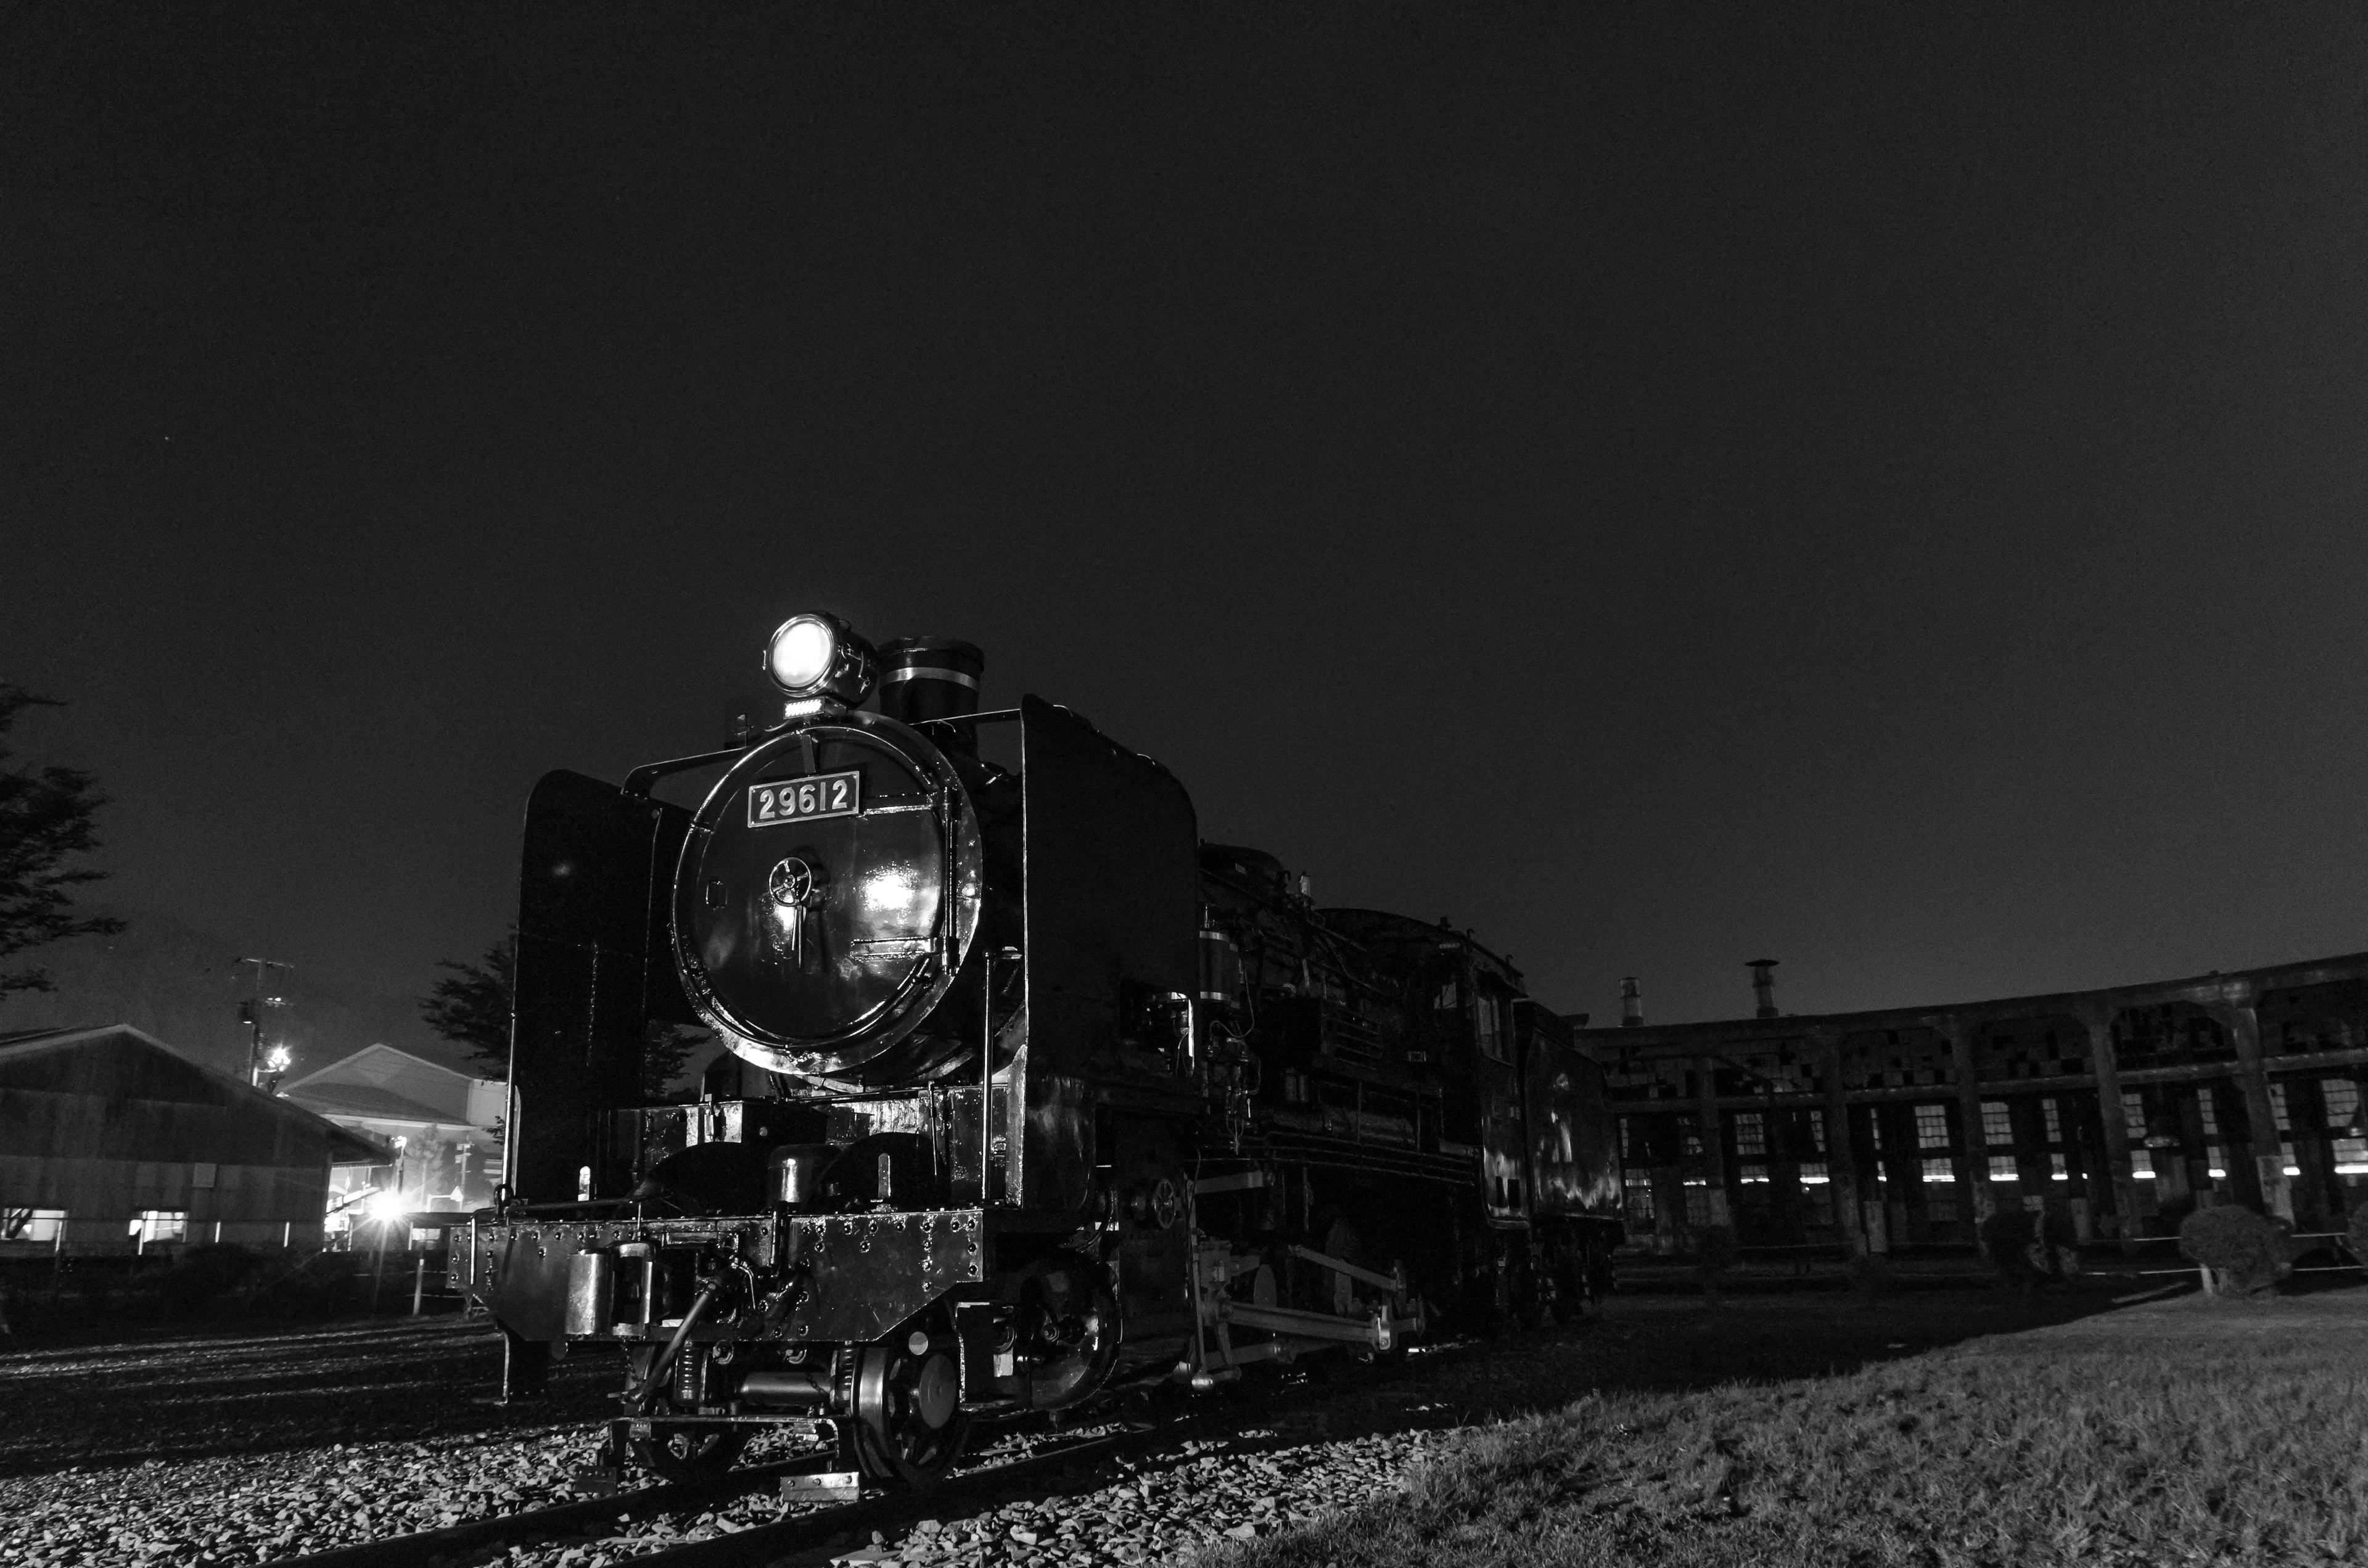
1040	1098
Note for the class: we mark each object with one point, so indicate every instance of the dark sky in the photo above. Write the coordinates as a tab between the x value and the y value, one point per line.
1877	489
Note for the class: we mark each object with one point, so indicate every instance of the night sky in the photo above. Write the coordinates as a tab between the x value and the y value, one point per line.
1878	491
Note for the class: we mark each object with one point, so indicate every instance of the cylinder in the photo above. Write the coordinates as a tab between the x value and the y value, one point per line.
923	678
796	1386
797	1172
591	1292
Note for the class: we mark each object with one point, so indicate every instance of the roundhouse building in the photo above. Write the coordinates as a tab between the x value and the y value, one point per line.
113	1142
2123	1108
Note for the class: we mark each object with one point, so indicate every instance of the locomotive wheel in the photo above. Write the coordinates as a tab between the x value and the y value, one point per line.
690	1454
908	1427
1068	1328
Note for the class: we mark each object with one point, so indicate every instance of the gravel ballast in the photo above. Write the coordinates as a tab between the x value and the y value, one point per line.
238	1449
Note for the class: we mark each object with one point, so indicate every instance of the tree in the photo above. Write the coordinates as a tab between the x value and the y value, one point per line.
471	1006
45	820
665	1048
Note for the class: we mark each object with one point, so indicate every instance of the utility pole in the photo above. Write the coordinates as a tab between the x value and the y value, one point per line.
253	1010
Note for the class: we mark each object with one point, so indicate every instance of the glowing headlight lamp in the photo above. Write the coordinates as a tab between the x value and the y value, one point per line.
814	659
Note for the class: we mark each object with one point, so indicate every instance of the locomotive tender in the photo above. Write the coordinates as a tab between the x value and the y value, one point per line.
1054	1099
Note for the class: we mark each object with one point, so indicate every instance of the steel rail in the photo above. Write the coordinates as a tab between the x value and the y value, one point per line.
793	1533
805	1532
818	1527
560	1518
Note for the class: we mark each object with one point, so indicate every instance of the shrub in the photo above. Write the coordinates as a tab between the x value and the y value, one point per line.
320	1284
2029	1249
2246	1252
201	1274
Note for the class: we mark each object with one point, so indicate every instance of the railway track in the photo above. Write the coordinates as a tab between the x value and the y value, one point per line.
1055	1458
794	1533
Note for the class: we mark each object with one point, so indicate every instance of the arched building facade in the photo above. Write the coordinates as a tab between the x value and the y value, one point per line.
2124	1110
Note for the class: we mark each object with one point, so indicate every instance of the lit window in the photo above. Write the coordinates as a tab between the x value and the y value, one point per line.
1931	1127
2277	1107
2203	1100
2056	1169
2142	1165
1940	1170
1813	1173
155	1225
31	1225
1750	1136
2134	1115
2054	1122
2001	1167
1998	1123
1754	1174
2342	1098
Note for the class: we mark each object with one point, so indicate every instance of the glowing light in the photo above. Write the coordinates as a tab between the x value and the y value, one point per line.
802	653
277	1060
388	1206
891	895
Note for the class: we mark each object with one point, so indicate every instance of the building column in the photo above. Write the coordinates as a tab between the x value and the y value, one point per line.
1713	1141
1962	1068
2108	1070
1841	1159
2244	1026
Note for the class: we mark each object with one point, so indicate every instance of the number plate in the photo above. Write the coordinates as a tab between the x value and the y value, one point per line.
804	800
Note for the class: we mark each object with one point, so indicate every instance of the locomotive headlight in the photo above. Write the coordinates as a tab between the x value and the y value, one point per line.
816	655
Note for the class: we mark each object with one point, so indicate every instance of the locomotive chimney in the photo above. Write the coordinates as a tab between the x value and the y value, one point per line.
1763	986
931	677
1632	1004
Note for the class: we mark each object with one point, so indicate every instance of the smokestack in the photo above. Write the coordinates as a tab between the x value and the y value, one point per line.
932	677
1763	986
1632	1004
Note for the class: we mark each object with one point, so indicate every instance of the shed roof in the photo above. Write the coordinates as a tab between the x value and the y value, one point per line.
382	1082
140	1094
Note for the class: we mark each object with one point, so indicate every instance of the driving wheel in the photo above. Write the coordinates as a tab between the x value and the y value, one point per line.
1067	1329
908	1427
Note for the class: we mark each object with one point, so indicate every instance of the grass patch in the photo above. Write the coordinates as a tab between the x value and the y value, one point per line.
2183	1431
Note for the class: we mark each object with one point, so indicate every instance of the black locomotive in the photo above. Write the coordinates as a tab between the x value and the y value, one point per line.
1041	1097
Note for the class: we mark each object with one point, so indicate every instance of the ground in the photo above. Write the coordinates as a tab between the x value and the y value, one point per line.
1959	1426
